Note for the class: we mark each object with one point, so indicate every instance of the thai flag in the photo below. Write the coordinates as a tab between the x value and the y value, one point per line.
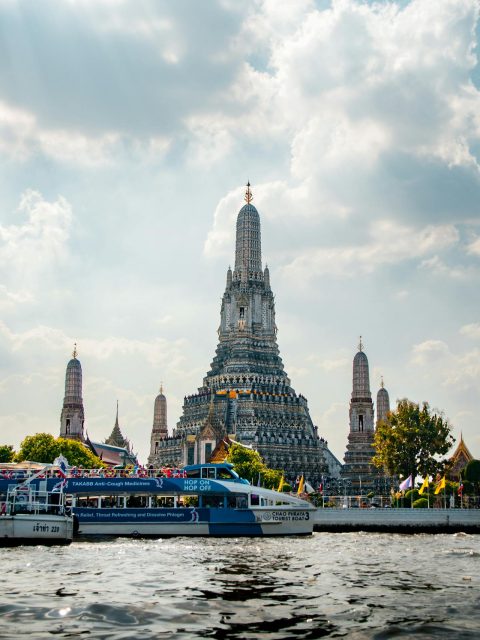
406	484
58	488
62	469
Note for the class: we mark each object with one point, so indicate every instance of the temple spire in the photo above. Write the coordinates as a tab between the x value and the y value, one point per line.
360	344
248	194
248	249
73	415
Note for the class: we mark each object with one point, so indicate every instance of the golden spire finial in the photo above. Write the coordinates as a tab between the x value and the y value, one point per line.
248	194
360	345
381	382
161	387
75	352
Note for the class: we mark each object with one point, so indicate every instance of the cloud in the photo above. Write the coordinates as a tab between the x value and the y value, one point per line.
474	247
157	352
438	268
33	248
389	243
330	364
429	351
456	370
381	121
22	137
471	330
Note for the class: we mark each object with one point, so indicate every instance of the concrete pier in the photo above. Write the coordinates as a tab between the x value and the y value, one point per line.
398	520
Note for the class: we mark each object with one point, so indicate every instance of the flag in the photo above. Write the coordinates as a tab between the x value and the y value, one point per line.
406	484
300	485
309	488
440	486
460	487
58	488
424	486
281	483
62	463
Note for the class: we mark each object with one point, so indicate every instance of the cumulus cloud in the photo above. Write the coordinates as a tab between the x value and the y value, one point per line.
471	330
455	369
35	246
156	352
474	247
389	243
23	137
429	351
379	113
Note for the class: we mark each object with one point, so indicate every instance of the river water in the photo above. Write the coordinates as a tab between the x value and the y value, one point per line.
355	585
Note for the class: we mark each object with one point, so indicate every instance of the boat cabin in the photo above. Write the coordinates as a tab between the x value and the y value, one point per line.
219	471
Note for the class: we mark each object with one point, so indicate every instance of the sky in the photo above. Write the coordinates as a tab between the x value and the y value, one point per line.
128	130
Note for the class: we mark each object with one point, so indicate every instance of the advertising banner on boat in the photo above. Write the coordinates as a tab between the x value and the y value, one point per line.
138	515
109	486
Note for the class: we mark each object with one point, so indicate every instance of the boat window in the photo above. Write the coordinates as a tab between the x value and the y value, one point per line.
212	501
193	473
162	502
254	500
241	502
208	472
136	502
224	474
112	502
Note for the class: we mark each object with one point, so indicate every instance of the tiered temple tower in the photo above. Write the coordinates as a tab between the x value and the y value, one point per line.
160	428
116	438
247	394
72	417
383	403
358	471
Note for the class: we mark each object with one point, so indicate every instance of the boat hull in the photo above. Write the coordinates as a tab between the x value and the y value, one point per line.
27	529
193	522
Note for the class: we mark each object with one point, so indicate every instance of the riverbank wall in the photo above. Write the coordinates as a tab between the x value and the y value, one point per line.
398	520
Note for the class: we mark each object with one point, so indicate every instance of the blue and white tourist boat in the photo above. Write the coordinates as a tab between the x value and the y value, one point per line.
203	500
32	514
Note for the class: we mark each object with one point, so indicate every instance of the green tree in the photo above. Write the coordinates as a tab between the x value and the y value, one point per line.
6	453
410	440
246	462
249	465
43	447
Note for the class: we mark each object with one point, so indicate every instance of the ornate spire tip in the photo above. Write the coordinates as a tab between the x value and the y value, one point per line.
248	194
360	345
75	352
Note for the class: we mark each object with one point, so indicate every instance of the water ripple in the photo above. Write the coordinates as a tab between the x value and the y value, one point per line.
359	586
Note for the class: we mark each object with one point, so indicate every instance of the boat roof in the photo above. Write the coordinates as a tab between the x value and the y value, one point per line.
216	465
